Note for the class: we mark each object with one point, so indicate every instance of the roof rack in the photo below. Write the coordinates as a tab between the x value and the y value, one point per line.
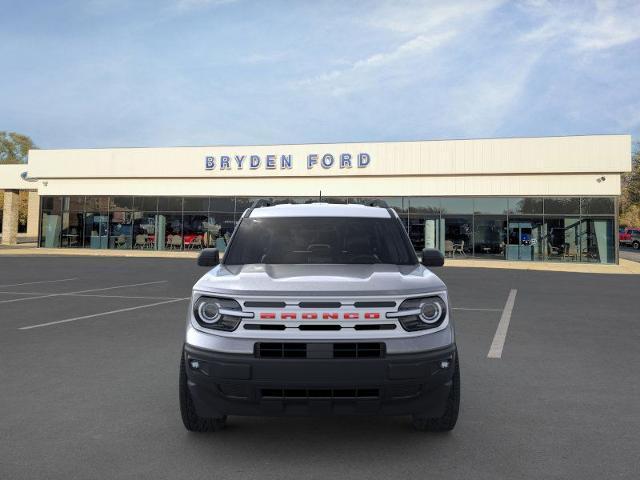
260	202
383	204
377	203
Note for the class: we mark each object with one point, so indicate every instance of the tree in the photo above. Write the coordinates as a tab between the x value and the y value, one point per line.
14	147
630	198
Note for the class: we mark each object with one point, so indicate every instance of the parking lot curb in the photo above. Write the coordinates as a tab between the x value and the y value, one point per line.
97	253
626	267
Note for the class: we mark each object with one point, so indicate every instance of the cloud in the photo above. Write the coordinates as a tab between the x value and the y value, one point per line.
419	17
419	30
365	72
606	25
264	57
196	4
480	105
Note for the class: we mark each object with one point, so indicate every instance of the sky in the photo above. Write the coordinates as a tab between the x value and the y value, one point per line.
115	73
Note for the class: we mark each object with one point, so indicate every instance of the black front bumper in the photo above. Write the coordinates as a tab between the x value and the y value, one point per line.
230	384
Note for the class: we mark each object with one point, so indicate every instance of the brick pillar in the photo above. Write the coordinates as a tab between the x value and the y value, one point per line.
10	217
33	214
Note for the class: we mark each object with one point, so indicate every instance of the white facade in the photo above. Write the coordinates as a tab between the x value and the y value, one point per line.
544	166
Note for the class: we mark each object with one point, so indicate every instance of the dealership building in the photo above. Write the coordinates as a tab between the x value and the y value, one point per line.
530	199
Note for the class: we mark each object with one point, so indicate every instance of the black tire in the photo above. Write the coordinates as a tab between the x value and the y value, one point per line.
190	418
636	245
448	420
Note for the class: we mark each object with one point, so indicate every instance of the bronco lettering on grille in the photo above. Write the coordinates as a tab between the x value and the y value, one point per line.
324	316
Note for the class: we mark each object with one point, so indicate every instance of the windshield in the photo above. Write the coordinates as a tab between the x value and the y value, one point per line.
313	240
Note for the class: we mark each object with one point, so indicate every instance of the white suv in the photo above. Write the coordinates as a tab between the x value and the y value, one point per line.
319	309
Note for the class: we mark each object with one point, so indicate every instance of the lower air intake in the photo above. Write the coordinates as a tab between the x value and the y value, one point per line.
320	393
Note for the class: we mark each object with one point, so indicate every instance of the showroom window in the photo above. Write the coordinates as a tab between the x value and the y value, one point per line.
564	229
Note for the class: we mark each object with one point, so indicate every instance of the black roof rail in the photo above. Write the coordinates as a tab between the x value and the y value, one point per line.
377	203
260	202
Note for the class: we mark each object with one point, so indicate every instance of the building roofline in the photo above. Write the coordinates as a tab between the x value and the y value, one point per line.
345	142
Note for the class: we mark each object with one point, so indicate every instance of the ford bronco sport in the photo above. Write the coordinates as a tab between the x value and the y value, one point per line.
319	309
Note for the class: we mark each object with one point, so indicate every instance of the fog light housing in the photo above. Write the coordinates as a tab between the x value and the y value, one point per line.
194	364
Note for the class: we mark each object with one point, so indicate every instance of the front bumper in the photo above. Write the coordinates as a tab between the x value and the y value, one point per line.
231	384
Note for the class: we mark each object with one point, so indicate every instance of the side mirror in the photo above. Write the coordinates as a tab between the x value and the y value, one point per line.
209	257
432	257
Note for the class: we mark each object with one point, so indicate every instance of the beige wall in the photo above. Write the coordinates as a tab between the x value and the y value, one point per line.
10	217
10	177
515	166
33	214
581	154
513	185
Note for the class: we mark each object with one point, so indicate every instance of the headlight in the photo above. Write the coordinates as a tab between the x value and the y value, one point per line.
217	313
421	313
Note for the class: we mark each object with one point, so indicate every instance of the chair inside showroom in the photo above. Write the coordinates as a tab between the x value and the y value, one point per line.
175	243
567	253
553	251
448	248
589	254
141	241
196	242
121	241
458	248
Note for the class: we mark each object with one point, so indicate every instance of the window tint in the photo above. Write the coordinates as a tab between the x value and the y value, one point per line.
453	206
489	206
562	205
525	206
598	206
149	204
323	240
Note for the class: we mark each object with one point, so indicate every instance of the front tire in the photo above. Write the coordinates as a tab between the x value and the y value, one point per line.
190	418
448	420
636	245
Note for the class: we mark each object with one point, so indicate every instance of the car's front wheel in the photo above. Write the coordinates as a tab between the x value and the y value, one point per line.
636	245
190	418
448	420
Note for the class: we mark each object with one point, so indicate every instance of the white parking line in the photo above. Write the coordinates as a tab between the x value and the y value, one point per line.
29	327
40	281
146	297
501	332
142	297
473	309
80	291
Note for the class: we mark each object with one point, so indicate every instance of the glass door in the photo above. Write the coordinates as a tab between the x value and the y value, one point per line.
97	230
434	233
524	241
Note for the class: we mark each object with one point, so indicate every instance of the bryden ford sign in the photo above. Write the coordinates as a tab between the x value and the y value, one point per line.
285	162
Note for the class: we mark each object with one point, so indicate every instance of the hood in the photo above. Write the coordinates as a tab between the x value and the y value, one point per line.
320	280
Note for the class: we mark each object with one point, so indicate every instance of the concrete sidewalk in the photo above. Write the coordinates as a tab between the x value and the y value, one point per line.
87	252
626	267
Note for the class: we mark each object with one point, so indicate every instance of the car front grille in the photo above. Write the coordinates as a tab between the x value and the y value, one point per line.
281	350
355	350
320	393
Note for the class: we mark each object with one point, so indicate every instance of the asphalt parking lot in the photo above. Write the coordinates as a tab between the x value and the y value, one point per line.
630	253
89	351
